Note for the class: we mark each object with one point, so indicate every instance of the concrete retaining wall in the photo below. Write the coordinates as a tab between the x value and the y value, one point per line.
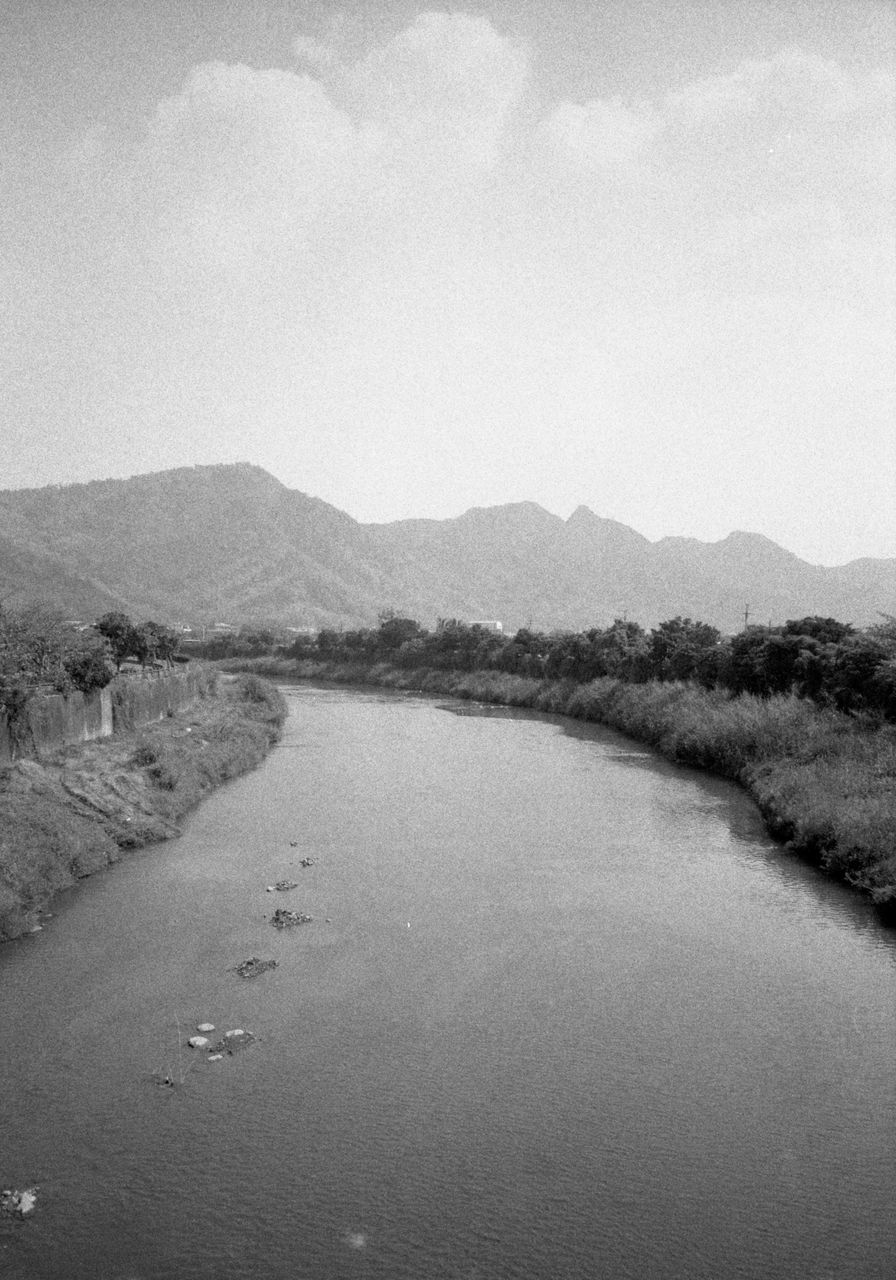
5	740
55	720
137	700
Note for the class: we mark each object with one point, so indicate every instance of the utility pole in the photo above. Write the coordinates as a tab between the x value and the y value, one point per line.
746	615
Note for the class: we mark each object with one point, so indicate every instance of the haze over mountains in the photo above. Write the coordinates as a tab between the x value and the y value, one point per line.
231	543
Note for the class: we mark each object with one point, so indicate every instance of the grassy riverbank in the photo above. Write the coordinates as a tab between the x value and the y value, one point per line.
66	816
825	782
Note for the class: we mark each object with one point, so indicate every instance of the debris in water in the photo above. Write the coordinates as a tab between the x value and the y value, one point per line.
283	885
282	919
254	966
18	1203
307	862
232	1043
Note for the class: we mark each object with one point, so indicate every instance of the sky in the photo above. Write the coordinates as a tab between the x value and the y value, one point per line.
637	256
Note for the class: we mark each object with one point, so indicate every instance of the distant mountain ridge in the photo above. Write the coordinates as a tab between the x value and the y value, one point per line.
231	543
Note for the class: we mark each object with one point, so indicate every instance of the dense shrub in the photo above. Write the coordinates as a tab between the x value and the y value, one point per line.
816	658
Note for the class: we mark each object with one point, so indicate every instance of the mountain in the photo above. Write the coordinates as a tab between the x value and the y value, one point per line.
233	544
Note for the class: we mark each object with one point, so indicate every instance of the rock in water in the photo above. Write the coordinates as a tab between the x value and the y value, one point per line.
206	1026
198	1042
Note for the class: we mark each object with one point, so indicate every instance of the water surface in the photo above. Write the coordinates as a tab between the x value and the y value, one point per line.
563	1011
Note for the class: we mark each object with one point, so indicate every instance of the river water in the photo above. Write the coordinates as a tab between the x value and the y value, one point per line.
563	1011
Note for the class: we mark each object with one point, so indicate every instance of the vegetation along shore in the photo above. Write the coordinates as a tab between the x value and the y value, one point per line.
71	812
802	716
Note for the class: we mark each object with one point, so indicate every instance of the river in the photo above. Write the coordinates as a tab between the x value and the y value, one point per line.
563	1011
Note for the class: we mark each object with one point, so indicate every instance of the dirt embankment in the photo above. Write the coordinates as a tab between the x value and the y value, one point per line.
70	814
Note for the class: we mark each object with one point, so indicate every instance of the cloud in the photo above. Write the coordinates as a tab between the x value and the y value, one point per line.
245	161
315	53
793	86
796	123
600	133
403	257
447	83
241	159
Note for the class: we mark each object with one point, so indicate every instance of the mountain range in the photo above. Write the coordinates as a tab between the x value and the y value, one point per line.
230	543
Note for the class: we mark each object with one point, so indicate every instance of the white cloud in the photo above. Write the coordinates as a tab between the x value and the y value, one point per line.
315	53
447	83
795	84
385	259
243	159
600	133
796	122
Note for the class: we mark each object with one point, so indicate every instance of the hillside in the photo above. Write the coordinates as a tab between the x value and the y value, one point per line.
231	543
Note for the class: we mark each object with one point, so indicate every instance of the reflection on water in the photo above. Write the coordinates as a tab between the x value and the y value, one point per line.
555	1016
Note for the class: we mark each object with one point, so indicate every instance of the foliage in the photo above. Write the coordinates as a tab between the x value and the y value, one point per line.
144	642
817	658
39	651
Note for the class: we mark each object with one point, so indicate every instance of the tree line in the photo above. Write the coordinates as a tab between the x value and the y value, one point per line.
39	651
830	662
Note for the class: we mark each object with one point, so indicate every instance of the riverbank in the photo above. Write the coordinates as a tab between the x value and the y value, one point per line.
72	813
824	782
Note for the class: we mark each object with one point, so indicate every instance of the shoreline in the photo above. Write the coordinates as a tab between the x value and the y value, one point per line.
824	782
73	812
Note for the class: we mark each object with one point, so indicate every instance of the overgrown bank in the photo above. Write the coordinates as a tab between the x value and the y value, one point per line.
824	781
73	813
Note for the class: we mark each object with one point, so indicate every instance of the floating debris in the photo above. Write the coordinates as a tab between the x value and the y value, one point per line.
18	1204
282	885
293	844
215	1057
232	1043
254	966
283	919
307	862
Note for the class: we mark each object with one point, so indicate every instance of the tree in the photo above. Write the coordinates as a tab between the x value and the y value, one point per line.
825	630
680	648
394	631
121	635
87	666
